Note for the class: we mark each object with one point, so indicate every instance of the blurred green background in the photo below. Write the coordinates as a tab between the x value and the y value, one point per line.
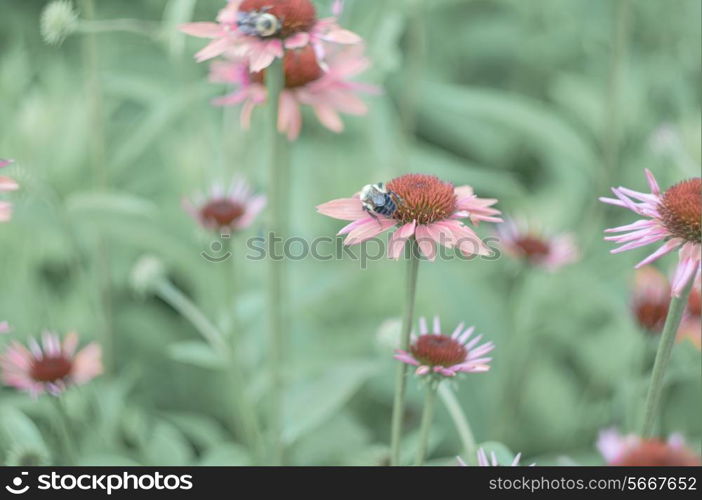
541	104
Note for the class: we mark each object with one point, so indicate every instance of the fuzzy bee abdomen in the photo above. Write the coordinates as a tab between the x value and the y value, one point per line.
388	208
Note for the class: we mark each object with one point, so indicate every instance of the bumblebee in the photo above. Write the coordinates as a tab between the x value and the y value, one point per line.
257	23
377	199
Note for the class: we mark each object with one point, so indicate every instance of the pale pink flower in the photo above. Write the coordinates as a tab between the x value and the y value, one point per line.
428	209
521	241
650	302
327	92
4	327
299	27
6	184
226	209
672	217
633	451
436	353
484	462
52	367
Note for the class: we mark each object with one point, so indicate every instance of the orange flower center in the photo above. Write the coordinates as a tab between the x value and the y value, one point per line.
423	198
295	16
681	210
656	453
50	369
532	248
222	212
438	350
300	66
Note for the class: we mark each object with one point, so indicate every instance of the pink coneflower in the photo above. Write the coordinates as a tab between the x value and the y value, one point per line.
52	367
651	300
306	83
673	216
633	451
259	31
428	209
548	252
226	210
6	184
436	353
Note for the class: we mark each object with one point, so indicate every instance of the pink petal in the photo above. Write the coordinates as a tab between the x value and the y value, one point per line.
343	208
398	239
203	30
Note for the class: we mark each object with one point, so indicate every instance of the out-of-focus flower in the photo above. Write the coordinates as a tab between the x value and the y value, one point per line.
51	367
548	252
673	217
259	31
436	353
428	209
6	184
484	462
4	327
58	20
327	92
226	209
633	451
650	302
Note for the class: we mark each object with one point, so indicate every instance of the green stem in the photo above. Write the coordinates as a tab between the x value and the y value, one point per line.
398	409
414	67
138	26
96	155
427	417
277	206
460	421
665	348
245	411
65	434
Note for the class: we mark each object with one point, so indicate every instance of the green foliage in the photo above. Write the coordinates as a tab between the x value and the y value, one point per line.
514	99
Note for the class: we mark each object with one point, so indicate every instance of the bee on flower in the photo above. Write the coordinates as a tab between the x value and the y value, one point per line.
259	31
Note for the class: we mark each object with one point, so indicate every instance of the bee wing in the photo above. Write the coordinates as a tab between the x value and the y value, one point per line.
378	200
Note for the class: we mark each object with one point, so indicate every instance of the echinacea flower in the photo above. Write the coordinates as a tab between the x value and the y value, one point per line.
259	31
226	209
436	353
651	300
327	92
633	451
548	252
6	184
672	217
428	209
52	367
484	462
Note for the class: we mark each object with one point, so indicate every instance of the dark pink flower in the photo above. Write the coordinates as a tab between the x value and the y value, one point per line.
430	210
52	366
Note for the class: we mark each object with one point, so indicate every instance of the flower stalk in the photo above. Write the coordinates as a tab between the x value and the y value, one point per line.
460	421
246	416
427	417
665	348
277	189
398	409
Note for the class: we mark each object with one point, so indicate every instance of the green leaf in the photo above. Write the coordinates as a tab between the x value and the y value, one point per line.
312	402
197	353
